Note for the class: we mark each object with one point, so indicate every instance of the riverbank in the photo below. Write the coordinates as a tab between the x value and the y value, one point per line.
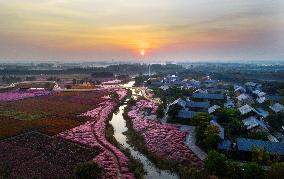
119	126
134	165
163	154
92	134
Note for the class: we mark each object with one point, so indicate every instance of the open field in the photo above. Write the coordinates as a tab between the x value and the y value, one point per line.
49	114
35	155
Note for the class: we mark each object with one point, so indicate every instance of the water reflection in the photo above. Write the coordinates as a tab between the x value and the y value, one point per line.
119	125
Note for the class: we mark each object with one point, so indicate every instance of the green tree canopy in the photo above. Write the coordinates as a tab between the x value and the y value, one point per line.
215	163
211	136
201	117
253	170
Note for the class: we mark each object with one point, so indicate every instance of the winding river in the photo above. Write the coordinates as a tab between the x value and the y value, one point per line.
119	125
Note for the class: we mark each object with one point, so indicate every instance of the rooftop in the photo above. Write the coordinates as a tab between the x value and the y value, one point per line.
186	114
242	97
271	147
252	122
193	104
277	107
245	144
246	109
208	96
213	109
262	112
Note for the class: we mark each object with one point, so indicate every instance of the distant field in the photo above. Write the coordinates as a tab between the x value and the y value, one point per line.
50	114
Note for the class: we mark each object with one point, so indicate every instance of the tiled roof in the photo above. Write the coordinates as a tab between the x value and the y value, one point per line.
180	102
277	107
248	145
193	104
262	112
271	147
242	97
186	114
208	96
251	122
213	109
260	100
250	84
229	104
246	109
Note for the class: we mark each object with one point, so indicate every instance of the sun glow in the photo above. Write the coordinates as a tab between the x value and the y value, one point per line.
142	52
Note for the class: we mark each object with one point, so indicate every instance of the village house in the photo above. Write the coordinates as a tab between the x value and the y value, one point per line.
213	109
208	96
221	129
252	123
247	110
185	114
243	99
277	107
229	103
245	146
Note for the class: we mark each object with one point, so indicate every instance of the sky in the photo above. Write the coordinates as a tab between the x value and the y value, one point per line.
165	30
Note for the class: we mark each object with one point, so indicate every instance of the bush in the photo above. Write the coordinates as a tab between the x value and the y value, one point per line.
201	117
253	170
260	155
277	170
160	111
173	110
88	170
211	136
234	170
215	163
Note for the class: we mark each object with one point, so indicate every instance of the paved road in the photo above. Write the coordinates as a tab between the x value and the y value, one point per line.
190	141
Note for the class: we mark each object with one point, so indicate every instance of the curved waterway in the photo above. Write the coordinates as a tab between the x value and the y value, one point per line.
119	125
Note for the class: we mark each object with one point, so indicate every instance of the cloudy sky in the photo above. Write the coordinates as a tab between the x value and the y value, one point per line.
184	30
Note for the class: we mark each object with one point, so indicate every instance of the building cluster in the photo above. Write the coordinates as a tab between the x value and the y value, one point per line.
253	105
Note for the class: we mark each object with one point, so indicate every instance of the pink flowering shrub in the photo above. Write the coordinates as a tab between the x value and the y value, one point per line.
165	140
18	95
92	134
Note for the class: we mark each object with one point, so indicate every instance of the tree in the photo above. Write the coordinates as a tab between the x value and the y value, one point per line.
258	135
235	127
234	170
260	155
88	170
211	136
253	170
215	163
201	117
275	121
276	171
225	115
160	111
173	110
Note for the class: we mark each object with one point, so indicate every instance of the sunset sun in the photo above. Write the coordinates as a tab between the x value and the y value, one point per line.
142	52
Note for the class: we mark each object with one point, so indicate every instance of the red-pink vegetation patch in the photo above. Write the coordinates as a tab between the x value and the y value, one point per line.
165	140
121	93
34	155
92	134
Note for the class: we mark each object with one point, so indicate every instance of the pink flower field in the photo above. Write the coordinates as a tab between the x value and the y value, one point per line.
92	134
18	95
165	140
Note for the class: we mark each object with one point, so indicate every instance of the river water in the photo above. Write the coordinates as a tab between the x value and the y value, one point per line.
119	125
